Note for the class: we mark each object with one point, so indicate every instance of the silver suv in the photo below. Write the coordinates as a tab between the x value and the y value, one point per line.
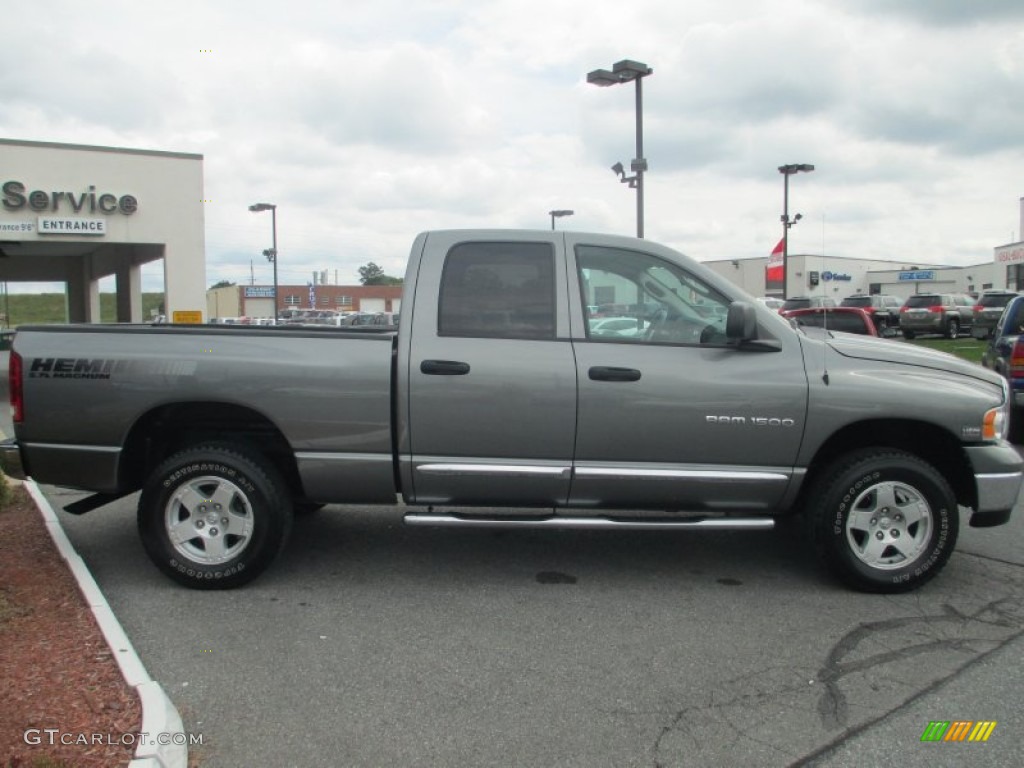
884	310
806	302
944	313
987	312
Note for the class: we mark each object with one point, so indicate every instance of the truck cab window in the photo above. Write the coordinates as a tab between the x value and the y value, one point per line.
635	297
498	290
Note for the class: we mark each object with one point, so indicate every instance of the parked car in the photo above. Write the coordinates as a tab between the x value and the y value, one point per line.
771	302
1005	355
805	302
1000	346
373	319
617	326
943	313
845	319
987	312
883	309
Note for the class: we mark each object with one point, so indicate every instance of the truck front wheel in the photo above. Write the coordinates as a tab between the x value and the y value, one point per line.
883	520
214	516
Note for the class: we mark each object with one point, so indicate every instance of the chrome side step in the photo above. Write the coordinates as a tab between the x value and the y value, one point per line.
594	523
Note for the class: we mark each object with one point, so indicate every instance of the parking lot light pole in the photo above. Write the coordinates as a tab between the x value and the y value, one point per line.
271	254
557	215
622	72
787	171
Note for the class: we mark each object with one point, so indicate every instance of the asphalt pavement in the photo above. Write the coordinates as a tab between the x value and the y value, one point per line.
369	643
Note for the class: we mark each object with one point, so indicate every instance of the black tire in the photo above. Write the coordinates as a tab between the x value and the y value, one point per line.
882	327
201	492
952	328
908	334
306	507
889	497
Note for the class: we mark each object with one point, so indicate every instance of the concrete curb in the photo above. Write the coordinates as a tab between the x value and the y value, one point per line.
159	716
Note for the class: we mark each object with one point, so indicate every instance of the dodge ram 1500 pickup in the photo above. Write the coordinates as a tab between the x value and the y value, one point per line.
498	403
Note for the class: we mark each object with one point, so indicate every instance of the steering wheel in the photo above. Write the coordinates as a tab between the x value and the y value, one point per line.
657	319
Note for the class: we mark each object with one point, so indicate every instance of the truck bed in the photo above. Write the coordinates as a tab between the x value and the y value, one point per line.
324	392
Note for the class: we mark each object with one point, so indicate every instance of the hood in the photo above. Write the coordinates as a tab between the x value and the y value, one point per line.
901	353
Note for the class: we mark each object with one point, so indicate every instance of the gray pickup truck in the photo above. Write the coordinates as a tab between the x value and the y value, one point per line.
496	404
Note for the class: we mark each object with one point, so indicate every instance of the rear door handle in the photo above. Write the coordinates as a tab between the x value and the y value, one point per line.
444	368
604	373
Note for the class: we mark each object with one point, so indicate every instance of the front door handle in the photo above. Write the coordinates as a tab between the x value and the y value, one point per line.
444	368
605	373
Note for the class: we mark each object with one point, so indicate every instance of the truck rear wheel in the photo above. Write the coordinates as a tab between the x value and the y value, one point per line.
952	328
214	516
883	520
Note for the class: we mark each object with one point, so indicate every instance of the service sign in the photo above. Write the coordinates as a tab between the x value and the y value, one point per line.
1010	254
17	227
259	291
840	276
52	225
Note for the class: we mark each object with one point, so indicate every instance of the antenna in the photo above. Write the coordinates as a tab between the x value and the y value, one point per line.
824	351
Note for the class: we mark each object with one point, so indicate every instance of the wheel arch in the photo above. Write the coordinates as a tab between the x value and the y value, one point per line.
927	441
172	427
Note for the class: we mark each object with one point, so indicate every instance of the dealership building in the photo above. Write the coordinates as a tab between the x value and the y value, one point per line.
839	277
78	214
258	300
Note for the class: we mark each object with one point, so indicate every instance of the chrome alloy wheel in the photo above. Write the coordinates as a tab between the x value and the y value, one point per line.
889	525
209	520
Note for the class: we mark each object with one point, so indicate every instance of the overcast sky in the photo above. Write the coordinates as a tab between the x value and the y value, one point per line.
367	122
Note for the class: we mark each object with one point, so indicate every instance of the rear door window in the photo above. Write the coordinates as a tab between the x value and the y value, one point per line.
498	290
995	299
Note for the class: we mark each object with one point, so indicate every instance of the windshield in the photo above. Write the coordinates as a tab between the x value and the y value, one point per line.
857	301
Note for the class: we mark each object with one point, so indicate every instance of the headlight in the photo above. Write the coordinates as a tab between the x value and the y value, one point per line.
996	424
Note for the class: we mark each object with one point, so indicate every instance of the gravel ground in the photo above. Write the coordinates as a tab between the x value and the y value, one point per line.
56	670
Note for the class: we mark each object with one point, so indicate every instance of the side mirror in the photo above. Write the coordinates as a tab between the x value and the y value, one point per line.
741	322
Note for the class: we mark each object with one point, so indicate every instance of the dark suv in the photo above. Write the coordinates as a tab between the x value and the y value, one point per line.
884	310
1005	355
944	313
987	312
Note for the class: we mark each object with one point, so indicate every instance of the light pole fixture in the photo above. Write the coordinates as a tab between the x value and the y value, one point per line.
557	215
787	171
270	253
622	72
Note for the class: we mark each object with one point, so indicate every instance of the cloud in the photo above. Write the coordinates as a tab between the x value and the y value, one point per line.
942	13
369	122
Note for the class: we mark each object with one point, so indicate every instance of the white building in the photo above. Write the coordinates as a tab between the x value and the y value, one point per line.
76	214
839	277
1010	259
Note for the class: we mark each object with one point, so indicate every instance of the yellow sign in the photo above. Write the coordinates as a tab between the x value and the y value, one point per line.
187	316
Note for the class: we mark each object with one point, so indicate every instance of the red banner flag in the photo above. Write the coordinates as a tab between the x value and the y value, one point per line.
773	272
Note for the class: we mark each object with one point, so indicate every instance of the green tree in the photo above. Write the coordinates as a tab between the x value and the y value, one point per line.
222	284
372	274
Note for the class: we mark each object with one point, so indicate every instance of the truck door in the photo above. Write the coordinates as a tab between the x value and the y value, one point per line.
670	416
490	374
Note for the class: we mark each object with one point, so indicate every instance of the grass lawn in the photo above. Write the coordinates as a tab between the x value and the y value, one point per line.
965	347
29	308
